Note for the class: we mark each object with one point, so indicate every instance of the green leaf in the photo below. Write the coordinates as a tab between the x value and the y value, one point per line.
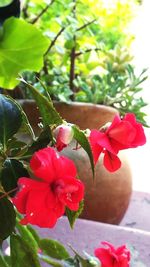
21	48
53	249
10	119
80	137
42	141
48	113
89	261
25	126
49	261
71	262
21	254
73	215
3	262
7	217
11	172
27	236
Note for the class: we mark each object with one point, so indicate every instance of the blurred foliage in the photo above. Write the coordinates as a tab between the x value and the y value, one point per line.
89	57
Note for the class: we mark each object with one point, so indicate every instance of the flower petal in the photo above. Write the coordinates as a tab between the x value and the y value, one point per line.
70	192
111	162
95	135
42	164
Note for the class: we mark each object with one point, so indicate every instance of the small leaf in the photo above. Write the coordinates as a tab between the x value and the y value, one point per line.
42	141
25	126
21	254
48	113
80	137
53	249
27	236
11	172
3	262
49	261
7	217
73	215
10	119
71	262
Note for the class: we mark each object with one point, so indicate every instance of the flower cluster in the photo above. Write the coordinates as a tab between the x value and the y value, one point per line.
120	134
56	186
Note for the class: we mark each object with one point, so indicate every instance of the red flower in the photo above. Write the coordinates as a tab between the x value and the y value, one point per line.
64	135
44	201
121	134
113	257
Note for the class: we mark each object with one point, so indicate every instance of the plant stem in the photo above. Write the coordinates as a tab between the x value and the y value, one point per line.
9	192
85	25
87	51
54	40
73	58
25	10
42	12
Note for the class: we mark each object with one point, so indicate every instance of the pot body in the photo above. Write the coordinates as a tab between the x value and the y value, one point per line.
107	196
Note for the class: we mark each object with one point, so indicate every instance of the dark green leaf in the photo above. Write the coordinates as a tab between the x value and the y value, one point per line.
48	113
53	249
10	119
73	215
80	137
11	172
21	253
42	141
7	217
25	127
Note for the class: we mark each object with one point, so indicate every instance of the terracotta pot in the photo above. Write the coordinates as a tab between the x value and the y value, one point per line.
107	197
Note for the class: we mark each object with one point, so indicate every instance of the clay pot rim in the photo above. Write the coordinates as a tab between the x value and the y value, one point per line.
75	104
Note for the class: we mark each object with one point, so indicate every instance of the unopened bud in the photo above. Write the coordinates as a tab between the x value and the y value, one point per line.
63	135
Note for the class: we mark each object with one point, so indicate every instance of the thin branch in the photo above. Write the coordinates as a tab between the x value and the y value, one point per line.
87	51
54	40
42	12
6	194
25	9
85	25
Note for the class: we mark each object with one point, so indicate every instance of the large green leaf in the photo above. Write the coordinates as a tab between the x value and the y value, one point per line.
53	249
22	47
7	217
21	254
11	172
10	119
48	113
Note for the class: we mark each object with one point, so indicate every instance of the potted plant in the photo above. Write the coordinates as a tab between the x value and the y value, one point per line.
37	184
69	79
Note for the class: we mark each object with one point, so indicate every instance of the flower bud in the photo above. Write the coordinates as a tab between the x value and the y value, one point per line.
63	135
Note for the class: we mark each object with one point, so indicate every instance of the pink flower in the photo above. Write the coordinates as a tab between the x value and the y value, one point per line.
43	201
113	257
64	135
121	134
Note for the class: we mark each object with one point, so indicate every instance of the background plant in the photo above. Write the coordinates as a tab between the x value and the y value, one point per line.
88	58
